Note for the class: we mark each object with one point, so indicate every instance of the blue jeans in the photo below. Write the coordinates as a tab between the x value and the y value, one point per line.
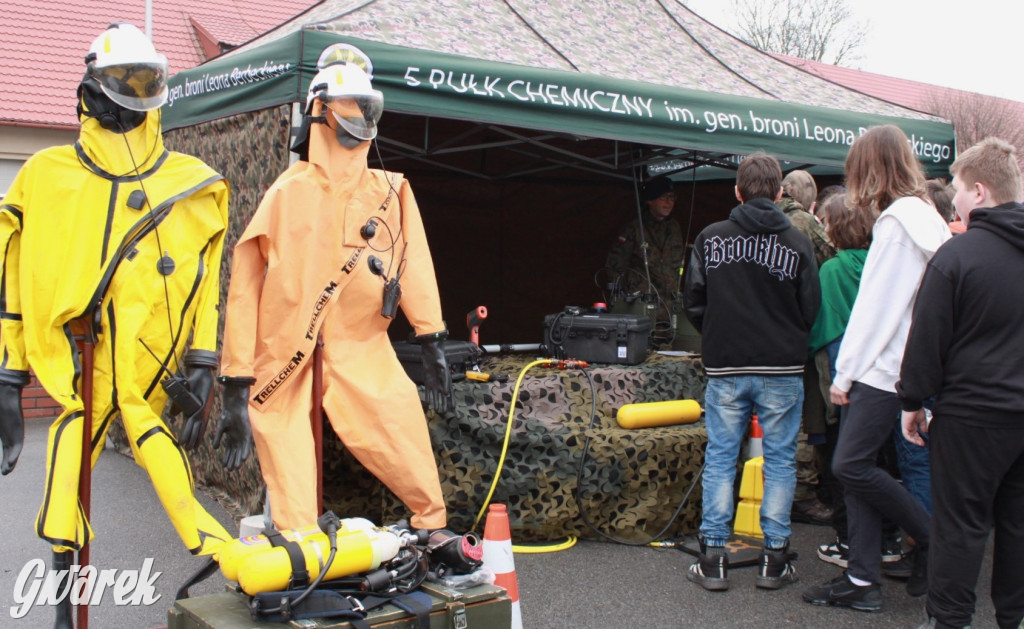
729	402
915	467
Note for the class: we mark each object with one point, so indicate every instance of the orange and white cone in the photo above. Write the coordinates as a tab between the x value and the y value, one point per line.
498	557
755	448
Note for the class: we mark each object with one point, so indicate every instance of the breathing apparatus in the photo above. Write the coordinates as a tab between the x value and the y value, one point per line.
334	568
125	77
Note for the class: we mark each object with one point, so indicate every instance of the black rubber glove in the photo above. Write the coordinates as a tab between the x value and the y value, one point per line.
200	383
12	426
233	426
437	377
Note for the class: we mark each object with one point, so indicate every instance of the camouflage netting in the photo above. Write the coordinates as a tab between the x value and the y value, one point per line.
633	480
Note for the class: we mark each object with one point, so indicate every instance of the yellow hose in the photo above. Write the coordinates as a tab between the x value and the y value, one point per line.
508	435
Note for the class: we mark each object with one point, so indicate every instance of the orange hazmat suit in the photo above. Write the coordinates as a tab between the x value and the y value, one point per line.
301	270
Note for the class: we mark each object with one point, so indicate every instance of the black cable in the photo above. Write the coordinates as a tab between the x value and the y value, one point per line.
401	219
579	481
156	230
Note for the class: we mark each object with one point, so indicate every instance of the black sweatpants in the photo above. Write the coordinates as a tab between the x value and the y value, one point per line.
977	484
870	491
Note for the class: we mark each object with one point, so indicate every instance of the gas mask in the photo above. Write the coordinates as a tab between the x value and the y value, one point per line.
93	103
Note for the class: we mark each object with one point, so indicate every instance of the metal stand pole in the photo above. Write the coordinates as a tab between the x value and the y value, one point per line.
316	420
85	473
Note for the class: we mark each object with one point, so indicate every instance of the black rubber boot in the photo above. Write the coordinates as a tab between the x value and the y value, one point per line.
711	570
64	609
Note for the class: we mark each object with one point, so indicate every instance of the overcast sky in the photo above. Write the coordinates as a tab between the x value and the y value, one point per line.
973	45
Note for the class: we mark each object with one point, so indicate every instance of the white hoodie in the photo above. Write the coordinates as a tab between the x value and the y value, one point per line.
904	238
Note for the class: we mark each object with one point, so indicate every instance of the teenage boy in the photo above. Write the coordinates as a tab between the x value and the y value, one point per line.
752	291
966	345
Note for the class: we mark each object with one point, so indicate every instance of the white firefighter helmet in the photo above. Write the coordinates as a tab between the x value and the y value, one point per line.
128	68
346	91
346	53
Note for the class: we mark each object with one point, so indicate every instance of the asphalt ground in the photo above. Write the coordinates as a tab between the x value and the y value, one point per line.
593	585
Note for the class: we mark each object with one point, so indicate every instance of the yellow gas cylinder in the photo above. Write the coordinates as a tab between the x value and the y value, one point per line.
238	550
650	414
358	551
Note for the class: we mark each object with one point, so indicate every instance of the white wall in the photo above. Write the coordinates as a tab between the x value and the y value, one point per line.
19	143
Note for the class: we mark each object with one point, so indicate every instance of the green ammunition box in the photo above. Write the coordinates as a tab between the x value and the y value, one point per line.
483	606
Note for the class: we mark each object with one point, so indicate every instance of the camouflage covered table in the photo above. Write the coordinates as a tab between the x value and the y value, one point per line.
632	480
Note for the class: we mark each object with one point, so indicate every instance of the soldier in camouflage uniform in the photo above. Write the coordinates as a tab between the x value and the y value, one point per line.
663	239
798	196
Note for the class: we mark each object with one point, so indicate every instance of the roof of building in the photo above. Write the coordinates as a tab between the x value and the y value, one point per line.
913	94
43	44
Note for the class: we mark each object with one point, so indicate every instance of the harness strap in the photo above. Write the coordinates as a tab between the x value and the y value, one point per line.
300	576
416	603
277	607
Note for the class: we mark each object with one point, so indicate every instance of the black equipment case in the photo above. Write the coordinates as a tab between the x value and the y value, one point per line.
462	356
597	337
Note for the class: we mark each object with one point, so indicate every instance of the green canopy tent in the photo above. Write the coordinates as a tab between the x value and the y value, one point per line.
447	86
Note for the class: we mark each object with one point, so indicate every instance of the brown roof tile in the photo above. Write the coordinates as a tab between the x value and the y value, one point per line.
43	44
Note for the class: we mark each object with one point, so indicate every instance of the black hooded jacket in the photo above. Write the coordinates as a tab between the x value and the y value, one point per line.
966	340
752	290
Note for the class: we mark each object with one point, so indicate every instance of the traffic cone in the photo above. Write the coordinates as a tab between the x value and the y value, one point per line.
498	557
748	511
755	447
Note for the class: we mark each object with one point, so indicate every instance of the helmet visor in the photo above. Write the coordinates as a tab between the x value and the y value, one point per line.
358	115
136	86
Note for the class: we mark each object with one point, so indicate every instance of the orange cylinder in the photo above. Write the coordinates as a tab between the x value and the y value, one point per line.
651	414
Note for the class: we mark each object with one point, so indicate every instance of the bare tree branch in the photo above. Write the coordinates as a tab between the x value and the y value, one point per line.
977	116
819	30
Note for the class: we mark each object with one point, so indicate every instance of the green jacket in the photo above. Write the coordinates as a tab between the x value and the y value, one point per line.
665	255
805	222
840	279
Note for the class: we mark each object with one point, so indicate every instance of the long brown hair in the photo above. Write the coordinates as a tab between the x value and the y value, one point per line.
880	168
847	227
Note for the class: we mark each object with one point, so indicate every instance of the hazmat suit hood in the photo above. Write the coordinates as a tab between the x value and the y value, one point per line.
121	153
341	167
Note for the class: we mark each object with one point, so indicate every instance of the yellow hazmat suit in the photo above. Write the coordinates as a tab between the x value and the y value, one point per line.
301	269
81	232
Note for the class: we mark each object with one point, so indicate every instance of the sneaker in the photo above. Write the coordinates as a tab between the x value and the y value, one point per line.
811	511
933	623
711	570
837	553
917	584
899	569
776	569
842	592
892	549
